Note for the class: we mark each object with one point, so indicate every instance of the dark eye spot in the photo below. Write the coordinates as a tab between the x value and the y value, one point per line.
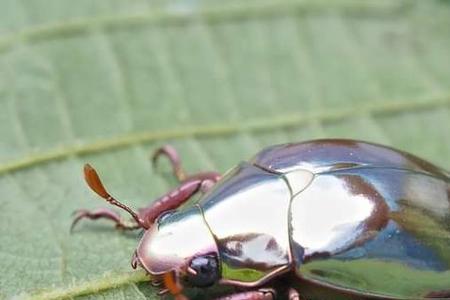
207	269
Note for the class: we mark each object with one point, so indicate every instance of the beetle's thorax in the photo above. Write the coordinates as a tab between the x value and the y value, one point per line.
174	241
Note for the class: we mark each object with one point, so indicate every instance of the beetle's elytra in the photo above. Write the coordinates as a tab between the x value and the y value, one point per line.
347	217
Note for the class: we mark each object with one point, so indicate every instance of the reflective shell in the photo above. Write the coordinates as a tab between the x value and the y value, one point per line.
247	213
169	243
347	215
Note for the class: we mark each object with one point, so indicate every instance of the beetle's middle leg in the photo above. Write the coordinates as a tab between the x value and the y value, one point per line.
178	171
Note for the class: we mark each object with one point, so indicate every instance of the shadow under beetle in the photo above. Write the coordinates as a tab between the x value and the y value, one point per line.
348	217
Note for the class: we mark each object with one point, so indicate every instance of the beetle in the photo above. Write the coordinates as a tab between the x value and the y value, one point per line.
346	217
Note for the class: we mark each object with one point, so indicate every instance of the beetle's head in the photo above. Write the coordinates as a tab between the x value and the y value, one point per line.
182	244
178	247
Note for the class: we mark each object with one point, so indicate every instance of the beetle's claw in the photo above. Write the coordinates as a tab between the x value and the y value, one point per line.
134	260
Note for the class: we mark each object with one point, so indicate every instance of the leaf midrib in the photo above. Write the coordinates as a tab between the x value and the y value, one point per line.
269	123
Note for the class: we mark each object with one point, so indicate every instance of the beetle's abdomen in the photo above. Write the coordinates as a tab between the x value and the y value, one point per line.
376	231
247	212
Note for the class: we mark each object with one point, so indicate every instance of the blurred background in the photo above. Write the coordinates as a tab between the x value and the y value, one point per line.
107	81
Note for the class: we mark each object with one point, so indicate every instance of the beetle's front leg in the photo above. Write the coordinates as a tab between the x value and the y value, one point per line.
262	294
104	213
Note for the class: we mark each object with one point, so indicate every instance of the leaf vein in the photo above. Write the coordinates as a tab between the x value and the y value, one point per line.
89	287
225	129
235	10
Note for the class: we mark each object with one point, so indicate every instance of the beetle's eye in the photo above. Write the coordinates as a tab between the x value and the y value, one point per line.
206	271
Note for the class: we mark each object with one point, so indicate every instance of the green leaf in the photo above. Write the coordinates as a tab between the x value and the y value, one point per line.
107	81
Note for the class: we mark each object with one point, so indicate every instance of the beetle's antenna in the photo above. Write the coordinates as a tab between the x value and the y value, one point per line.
93	180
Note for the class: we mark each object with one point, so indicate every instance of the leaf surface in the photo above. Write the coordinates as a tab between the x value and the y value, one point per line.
105	82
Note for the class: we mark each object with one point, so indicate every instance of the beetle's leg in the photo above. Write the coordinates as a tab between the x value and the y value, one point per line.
262	294
178	171
134	260
104	213
172	199
208	179
172	154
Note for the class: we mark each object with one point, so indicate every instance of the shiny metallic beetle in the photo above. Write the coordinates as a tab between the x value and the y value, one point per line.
342	217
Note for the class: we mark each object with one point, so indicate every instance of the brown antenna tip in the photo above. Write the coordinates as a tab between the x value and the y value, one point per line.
94	182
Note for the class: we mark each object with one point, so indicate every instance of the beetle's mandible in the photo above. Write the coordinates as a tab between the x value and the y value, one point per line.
322	217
